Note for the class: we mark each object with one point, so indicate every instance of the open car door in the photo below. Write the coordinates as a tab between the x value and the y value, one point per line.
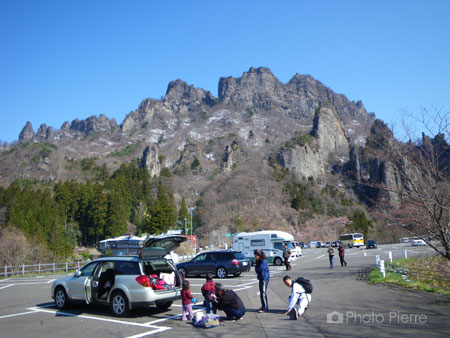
91	284
159	246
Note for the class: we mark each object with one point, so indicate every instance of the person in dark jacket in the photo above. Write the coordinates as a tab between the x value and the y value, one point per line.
229	302
286	256
208	289
331	256
342	254
263	275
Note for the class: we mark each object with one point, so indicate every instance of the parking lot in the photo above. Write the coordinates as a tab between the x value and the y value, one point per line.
27	310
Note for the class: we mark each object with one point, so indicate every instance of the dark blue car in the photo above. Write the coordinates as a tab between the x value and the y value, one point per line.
220	263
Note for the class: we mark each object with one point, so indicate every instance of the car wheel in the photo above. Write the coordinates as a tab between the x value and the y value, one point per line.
221	272
277	261
61	298
183	271
162	305
119	304
237	274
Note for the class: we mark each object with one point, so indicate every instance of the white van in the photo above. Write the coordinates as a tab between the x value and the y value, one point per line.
270	241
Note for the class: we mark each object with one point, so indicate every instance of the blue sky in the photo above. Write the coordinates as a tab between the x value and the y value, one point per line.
62	60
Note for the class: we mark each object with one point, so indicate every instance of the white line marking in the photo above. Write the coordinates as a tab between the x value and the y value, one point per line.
18	314
148	333
62	313
6	286
51	280
320	256
170	317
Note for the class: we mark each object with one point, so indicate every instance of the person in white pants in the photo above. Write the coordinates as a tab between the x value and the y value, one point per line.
298	296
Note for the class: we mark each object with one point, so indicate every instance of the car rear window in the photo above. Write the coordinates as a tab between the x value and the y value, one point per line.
224	256
239	255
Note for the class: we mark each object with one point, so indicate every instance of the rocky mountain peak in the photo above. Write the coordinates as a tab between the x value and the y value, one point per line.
93	124
257	88
27	133
179	92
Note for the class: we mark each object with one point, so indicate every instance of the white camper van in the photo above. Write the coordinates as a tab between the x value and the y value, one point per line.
270	241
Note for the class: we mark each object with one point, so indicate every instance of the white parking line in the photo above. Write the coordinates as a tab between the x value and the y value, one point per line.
148	333
147	325
320	256
6	286
17	314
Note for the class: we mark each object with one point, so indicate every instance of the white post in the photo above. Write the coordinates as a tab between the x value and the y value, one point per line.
23	269
39	268
382	270
6	271
377	259
405	254
67	267
390	256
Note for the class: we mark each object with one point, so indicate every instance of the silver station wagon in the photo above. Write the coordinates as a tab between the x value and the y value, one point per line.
125	283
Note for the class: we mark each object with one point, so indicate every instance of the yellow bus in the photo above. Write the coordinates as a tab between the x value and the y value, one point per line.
351	240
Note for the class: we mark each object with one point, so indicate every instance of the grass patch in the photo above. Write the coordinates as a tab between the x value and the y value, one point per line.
419	273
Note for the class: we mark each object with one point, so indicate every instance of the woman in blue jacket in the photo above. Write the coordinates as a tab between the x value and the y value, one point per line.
263	275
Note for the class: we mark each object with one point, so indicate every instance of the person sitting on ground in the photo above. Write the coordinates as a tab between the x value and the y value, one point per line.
298	296
228	301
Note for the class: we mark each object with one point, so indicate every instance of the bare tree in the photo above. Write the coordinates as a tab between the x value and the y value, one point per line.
420	201
14	247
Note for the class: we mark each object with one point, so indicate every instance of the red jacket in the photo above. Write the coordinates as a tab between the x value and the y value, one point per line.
208	288
186	297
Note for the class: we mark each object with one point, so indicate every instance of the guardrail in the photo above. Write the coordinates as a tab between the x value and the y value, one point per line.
21	270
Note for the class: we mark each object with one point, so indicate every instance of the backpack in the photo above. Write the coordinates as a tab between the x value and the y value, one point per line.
306	283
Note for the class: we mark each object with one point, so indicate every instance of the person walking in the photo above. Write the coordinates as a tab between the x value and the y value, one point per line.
298	296
228	301
208	289
263	275
331	256
286	256
341	250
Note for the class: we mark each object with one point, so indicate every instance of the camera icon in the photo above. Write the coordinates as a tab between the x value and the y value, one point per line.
335	317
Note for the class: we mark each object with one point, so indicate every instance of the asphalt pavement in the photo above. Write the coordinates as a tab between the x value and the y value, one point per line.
343	305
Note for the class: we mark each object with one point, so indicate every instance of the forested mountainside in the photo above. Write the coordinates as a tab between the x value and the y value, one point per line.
292	156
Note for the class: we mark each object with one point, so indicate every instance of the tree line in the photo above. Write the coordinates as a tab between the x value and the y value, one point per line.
61	216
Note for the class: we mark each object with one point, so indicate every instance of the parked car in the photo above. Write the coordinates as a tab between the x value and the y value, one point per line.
335	244
125	282
416	241
302	245
404	240
327	244
371	245
314	244
320	244
220	263
296	250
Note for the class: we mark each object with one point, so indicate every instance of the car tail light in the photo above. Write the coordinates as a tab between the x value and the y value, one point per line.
143	280
235	262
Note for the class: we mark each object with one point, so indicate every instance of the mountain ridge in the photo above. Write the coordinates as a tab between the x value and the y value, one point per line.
203	139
